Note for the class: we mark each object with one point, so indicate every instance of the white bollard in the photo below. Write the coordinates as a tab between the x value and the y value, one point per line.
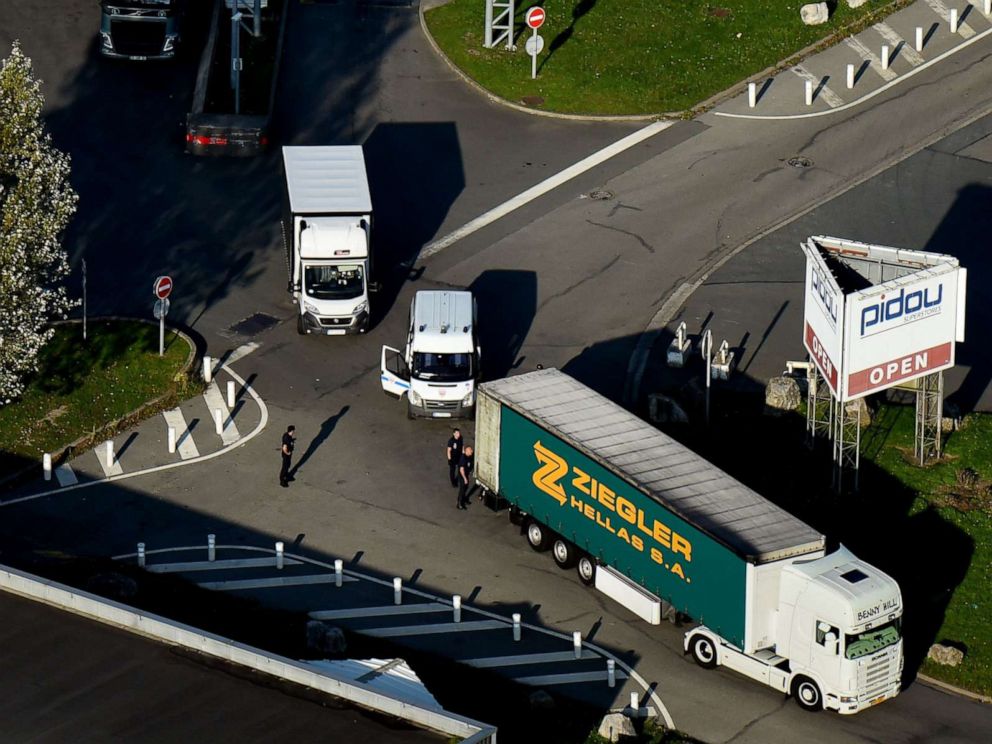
397	591
611	673
809	92
230	394
752	94
885	56
279	555
141	554
218	421
850	76
954	20
635	704
338	572
577	643
110	453
207	368
516	626
456	607
211	547
988	7
919	39
172	440
46	466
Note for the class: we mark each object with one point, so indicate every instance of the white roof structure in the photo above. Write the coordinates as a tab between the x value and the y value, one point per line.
442	322
327	180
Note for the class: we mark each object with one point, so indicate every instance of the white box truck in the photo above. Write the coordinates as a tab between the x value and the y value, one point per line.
437	370
327	231
659	529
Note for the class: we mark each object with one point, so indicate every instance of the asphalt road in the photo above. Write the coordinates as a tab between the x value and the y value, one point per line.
567	281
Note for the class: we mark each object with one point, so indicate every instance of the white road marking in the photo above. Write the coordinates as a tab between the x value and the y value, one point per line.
224	565
415	630
276	582
111	470
545	186
492	662
944	12
185	445
65	475
215	401
383	611
889	34
829	97
865	53
242	351
568	679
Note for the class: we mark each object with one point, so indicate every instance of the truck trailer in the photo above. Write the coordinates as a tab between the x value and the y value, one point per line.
663	531
327	231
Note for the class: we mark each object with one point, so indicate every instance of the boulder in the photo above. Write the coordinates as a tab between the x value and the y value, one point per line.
851	409
946	655
540	700
782	394
814	14
325	639
664	410
855	3
616	725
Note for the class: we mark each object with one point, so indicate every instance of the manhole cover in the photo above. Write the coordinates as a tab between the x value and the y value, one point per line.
254	324
601	195
533	100
800	162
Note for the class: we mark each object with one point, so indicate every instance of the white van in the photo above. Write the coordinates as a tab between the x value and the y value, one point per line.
438	369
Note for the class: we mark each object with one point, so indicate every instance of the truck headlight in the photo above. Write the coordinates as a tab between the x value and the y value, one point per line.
414	397
360	308
106	40
309	308
469	399
845	699
170	43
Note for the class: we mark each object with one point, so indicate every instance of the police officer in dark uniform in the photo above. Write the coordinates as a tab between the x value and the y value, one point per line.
288	442
454	451
465	467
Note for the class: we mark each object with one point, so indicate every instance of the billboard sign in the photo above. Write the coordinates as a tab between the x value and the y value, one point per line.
823	317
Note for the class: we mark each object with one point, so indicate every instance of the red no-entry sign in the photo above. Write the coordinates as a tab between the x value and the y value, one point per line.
163	286
535	17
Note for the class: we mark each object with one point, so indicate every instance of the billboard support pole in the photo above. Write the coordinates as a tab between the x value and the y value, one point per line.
819	407
929	412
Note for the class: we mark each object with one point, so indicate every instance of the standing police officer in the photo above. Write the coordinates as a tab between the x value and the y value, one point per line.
288	442
454	451
465	467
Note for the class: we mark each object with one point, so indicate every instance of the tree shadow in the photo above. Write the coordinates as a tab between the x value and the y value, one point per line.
326	429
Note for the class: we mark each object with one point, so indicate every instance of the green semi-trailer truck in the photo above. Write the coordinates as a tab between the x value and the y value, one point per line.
661	530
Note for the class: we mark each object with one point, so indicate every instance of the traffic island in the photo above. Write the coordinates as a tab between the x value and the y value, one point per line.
236	83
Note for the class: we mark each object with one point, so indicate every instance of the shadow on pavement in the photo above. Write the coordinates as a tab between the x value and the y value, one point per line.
507	305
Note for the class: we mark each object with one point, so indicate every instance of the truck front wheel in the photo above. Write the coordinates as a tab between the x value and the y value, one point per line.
807	694
703	651
300	327
563	552
586	568
538	536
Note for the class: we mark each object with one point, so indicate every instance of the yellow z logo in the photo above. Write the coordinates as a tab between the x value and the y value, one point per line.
552	470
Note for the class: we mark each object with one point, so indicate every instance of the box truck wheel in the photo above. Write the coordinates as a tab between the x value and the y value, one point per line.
704	652
538	536
564	553
586	568
807	694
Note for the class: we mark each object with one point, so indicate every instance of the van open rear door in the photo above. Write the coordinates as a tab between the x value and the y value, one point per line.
393	372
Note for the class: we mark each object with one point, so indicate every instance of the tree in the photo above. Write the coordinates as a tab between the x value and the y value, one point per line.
36	204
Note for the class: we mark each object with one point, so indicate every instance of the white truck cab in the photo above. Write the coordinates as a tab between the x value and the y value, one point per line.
328	229
439	367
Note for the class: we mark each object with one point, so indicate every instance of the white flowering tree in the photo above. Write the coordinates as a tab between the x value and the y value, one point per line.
36	203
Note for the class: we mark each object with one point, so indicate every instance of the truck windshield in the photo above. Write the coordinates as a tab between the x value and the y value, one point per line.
333	282
442	367
862	644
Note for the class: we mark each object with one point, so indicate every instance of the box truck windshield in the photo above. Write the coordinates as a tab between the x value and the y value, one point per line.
333	282
442	367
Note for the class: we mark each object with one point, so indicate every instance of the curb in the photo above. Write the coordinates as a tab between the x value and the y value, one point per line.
700	108
953	689
112	427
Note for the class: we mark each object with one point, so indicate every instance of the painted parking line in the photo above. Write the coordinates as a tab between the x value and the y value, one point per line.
215	402
568	679
828	96
906	51
552	657
549	184
276	582
964	30
470	626
383	611
224	565
185	445
865	53
108	470
65	476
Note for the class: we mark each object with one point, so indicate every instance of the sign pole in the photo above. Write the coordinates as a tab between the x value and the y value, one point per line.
161	335
84	299
533	60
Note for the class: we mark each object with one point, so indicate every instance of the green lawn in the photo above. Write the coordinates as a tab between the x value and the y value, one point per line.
633	56
84	385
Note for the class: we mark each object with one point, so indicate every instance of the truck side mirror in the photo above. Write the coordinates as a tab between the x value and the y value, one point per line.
375	287
831	643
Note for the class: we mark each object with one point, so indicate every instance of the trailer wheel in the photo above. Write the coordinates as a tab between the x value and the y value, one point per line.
807	694
300	327
586	568
538	536
564	553
704	652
